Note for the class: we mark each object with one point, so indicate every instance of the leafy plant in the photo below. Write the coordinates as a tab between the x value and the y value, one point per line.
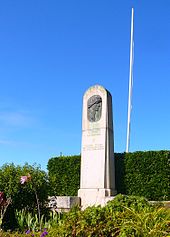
146	223
23	197
23	180
20	216
53	220
125	216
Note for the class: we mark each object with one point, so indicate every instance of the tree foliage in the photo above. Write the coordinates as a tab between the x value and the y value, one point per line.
23	196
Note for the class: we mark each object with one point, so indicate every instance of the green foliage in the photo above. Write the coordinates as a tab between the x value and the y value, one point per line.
124	216
147	174
53	220
64	175
139	173
28	221
122	202
20	216
23	196
120	172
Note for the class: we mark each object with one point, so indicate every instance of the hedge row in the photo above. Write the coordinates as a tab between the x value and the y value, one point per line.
140	173
147	174
64	175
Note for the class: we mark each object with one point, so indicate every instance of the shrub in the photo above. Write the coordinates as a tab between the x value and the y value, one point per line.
147	174
22	196
124	216
64	175
122	202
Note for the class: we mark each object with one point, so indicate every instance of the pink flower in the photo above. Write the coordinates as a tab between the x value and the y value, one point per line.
25	178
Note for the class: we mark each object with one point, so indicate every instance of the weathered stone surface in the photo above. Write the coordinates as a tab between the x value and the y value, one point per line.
63	203
97	156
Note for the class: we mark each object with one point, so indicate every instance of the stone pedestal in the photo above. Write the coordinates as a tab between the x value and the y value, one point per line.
63	203
97	156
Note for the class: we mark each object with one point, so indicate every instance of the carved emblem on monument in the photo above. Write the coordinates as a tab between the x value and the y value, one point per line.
94	107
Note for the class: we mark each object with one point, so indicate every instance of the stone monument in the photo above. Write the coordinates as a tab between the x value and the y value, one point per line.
97	182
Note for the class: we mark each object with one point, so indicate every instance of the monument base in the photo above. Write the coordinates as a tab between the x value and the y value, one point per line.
95	197
63	203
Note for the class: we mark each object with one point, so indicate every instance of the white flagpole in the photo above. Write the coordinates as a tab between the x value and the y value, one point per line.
130	82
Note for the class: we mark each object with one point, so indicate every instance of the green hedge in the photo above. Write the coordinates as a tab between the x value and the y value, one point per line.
147	174
140	173
64	175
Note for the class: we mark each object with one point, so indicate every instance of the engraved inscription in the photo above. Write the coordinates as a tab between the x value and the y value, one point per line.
92	147
94	108
94	132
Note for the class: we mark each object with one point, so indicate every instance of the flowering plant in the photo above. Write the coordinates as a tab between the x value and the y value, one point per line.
25	179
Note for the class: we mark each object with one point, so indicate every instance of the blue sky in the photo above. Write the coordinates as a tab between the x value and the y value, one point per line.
52	51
